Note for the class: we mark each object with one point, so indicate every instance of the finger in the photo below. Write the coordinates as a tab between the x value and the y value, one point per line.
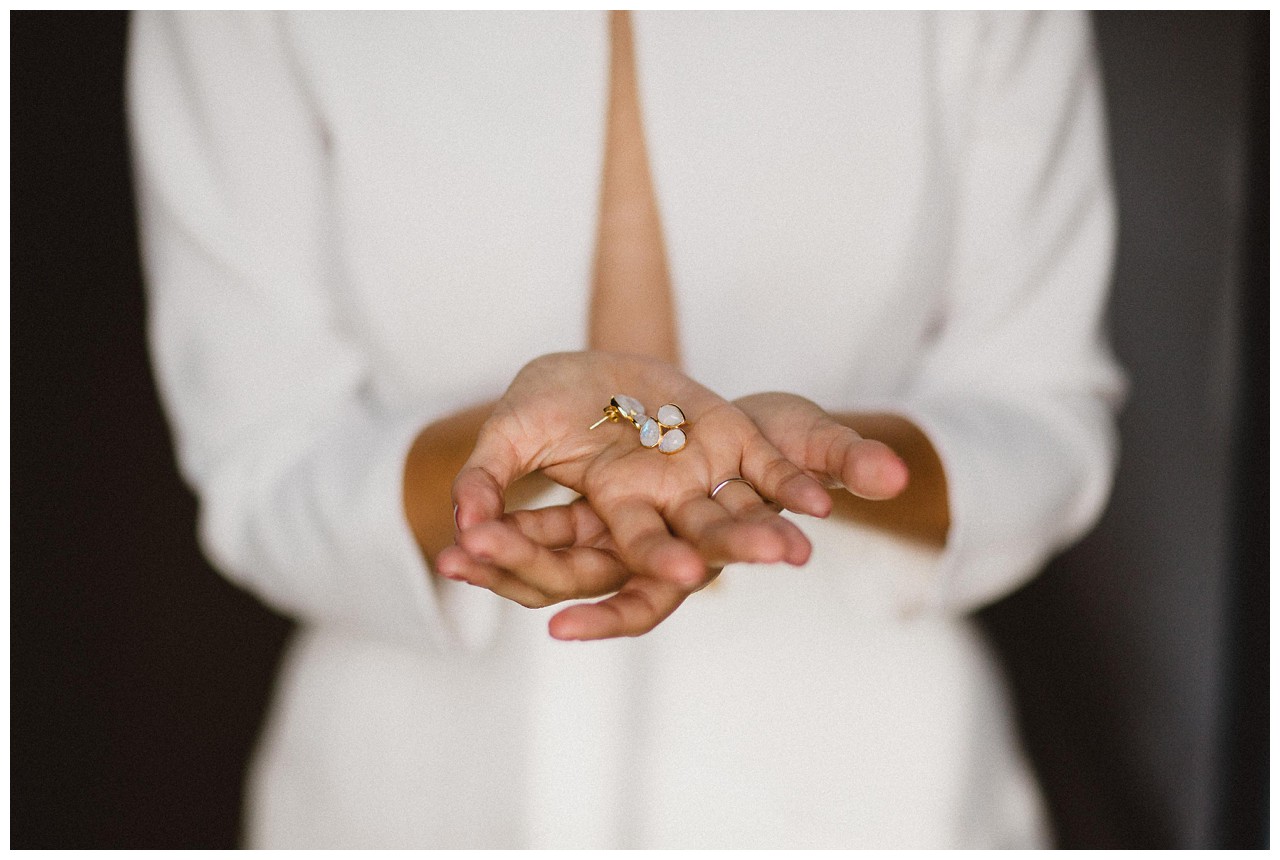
745	504
560	526
865	467
777	478
479	489
648	547
723	538
457	564
560	575
642	604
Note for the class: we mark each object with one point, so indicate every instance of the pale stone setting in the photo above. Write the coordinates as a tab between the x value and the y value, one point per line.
671	416
650	433
632	409
672	441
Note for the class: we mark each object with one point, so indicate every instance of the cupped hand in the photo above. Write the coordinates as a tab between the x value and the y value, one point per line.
662	537
545	556
569	552
826	448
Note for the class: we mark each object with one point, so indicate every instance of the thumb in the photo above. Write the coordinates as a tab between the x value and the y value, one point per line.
479	490
865	467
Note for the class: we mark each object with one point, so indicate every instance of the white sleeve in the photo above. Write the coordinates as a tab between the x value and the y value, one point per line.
1018	390
298	474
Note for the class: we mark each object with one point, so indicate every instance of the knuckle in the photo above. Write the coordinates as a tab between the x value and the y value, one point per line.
535	601
640	624
638	630
776	472
557	592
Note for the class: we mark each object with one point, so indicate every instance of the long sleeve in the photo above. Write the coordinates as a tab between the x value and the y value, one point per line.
297	470
1017	389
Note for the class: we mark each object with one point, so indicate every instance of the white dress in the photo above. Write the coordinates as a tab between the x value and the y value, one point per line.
356	224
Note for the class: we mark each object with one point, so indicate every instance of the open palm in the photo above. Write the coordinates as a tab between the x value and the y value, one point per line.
662	537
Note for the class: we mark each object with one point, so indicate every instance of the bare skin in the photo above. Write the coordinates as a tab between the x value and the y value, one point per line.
674	539
632	308
834	449
647	532
670	538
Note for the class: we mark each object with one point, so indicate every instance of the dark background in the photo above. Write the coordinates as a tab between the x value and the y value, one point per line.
1140	658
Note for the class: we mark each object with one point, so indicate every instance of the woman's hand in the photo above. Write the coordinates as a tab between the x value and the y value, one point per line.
825	447
839	450
538	557
663	537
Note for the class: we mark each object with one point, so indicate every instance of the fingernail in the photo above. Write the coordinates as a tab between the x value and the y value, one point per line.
456	530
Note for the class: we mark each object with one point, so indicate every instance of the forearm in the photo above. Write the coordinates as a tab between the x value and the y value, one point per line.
921	512
437	455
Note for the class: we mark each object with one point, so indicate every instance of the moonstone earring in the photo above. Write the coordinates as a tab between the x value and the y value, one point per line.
664	432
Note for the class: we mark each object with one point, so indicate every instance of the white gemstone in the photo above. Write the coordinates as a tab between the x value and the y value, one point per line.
672	441
629	405
671	416
650	433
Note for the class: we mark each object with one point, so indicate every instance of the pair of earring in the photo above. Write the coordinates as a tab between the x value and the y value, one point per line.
662	432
